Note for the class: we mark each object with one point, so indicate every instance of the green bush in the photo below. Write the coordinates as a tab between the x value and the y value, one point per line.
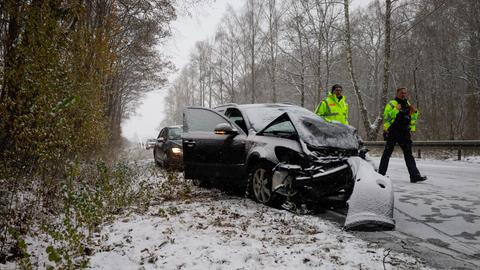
89	195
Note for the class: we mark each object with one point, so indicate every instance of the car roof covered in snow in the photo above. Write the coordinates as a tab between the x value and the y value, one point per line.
256	105
313	129
259	115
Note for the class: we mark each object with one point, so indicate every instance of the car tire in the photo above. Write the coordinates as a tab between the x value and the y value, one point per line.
260	184
156	160
165	163
201	183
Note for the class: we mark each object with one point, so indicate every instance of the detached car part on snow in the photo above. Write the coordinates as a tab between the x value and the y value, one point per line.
280	152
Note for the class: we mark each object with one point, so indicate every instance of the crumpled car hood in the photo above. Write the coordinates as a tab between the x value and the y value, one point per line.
317	133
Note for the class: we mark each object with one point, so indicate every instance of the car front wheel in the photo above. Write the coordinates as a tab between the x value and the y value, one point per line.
165	163
261	181
201	183
155	158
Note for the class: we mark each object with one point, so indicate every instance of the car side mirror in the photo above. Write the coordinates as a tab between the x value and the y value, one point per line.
161	140
150	144
225	129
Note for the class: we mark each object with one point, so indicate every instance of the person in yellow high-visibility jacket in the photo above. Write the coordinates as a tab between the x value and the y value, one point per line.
334	108
399	120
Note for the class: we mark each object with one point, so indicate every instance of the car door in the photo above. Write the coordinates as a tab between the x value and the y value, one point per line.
205	153
159	153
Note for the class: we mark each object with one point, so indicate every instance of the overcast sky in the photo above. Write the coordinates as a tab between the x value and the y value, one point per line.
187	30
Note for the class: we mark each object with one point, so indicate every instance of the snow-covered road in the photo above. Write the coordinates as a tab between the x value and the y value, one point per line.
442	213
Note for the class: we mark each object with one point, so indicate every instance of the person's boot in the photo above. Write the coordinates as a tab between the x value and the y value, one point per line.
418	178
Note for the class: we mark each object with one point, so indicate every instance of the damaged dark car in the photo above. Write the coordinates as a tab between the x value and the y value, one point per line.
282	153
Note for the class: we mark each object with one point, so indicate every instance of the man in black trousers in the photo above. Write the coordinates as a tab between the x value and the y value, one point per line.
400	118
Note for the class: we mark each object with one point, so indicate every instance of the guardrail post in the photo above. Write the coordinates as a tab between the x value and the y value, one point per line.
459	153
419	153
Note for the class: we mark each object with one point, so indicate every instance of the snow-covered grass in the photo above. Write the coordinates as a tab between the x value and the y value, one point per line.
187	227
212	230
59	233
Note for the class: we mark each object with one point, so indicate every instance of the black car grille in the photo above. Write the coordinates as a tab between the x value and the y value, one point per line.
334	152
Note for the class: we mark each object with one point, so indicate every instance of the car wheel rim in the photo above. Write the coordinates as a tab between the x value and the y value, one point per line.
260	186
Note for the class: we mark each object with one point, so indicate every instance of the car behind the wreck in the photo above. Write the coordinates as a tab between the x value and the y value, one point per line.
283	153
167	148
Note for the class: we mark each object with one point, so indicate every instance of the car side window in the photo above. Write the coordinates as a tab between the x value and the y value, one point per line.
197	119
236	116
161	134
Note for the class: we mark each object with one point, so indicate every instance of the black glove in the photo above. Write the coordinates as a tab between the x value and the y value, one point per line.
385	135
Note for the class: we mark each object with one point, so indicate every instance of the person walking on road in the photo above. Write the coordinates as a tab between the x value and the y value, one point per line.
334	108
400	118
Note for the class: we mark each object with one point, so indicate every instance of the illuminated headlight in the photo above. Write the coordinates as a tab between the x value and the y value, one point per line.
176	150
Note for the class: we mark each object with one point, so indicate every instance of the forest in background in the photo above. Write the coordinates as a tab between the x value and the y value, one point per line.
294	51
70	71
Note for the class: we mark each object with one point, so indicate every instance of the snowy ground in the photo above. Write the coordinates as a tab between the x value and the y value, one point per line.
217	231
437	226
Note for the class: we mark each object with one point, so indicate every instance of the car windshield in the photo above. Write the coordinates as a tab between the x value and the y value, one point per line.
174	134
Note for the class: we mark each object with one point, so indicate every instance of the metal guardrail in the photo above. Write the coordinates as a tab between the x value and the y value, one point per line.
459	145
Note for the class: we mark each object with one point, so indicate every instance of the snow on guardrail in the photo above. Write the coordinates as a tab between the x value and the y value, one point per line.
459	145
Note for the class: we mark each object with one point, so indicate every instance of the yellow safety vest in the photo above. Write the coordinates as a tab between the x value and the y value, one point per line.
333	110
390	113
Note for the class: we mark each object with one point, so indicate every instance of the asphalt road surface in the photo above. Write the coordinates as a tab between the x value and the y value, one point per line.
439	219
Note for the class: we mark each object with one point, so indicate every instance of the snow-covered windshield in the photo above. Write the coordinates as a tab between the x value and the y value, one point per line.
311	128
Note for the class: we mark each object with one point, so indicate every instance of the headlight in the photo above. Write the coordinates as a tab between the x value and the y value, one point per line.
176	150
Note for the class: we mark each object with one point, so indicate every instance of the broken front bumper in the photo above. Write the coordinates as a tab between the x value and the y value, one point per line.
312	183
371	204
371	201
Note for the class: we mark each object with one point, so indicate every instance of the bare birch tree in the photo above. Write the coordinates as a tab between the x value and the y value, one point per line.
371	128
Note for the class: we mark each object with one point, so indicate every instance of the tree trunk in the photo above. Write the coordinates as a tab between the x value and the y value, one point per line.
12	33
358	94
210	87
370	128
252	49
386	66
273	29
232	70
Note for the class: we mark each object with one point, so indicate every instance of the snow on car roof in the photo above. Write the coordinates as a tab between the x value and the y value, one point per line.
266	105
261	115
312	128
177	126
